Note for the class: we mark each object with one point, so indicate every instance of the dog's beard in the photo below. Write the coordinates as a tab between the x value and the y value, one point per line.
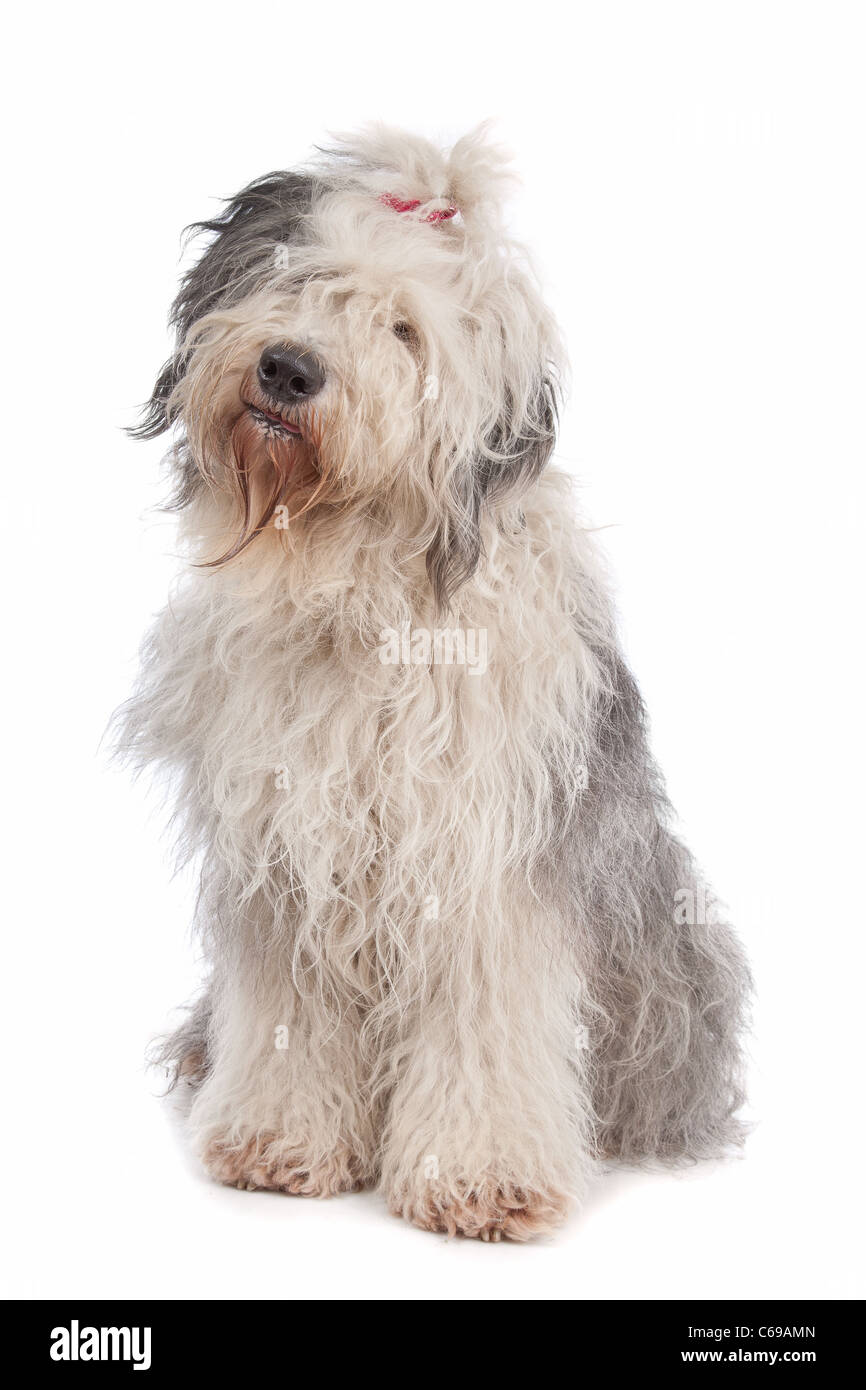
269	466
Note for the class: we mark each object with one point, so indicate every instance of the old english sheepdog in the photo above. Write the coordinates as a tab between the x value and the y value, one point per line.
454	949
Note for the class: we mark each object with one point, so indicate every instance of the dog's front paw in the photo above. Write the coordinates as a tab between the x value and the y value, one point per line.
487	1210
269	1161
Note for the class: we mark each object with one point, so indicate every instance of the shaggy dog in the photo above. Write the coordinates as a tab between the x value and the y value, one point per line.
454	949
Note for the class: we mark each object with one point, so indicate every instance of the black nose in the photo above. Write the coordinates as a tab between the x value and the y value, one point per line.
290	374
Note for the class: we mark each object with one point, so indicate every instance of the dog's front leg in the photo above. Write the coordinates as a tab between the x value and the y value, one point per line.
488	1131
282	1105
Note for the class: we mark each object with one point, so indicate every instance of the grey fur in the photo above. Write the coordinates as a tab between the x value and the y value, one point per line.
514	455
270	211
665	996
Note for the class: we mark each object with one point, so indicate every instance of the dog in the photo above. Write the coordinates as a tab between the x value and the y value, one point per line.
454	950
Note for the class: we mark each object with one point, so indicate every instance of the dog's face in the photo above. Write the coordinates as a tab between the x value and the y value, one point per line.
363	337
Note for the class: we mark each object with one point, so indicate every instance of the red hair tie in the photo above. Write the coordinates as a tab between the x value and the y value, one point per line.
401	205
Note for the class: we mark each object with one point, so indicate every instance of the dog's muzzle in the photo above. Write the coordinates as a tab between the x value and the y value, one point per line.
290	374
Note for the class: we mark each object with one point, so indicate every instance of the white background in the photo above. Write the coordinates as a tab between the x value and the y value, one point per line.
694	191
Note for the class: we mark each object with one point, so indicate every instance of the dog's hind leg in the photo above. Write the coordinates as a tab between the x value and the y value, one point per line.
666	982
183	1053
668	985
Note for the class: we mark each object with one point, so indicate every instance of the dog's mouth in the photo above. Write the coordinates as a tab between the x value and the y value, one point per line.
276	460
271	420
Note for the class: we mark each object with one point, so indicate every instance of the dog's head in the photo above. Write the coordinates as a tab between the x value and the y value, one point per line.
363	337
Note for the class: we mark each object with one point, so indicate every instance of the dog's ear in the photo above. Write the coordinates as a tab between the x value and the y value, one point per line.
250	242
513	455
